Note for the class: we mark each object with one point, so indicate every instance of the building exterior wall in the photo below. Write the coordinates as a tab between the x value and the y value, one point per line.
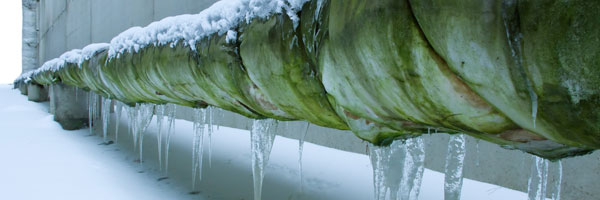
67	24
30	35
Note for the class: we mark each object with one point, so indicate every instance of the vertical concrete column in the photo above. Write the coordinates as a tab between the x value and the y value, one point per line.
30	36
37	93
29	47
23	88
52	106
70	106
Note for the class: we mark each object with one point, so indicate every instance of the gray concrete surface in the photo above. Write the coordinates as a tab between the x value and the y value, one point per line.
70	107
67	24
23	89
37	93
30	36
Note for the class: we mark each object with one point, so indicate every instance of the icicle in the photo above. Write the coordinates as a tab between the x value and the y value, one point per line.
199	119
379	160
412	176
398	169
90	113
92	106
286	126
160	113
97	99
219	116
514	35
262	136
477	152
170	110
131	117
105	112
118	111
557	178
454	167
142	118
385	177
534	107
538	178
209	121
300	149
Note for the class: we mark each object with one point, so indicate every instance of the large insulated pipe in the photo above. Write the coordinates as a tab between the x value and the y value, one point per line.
521	74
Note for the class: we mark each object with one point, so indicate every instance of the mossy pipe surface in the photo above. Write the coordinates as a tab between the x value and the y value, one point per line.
275	60
377	65
561	54
222	68
386	70
526	58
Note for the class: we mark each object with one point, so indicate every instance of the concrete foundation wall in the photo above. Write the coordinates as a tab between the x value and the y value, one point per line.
37	93
68	24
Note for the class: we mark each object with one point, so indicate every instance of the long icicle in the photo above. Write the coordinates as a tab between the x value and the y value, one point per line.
90	113
118	111
454	167
538	179
379	160
514	37
143	119
160	113
97	100
209	121
557	178
262	136
398	169
199	119
477	152
131	117
386	177
171	111
92	106
105	112
412	176
300	150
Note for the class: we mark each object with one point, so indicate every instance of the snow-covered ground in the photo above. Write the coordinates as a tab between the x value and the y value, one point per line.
39	160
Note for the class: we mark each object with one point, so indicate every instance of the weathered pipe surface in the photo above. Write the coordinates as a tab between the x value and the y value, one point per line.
521	74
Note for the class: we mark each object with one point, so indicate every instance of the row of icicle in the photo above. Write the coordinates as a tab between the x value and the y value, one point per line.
397	169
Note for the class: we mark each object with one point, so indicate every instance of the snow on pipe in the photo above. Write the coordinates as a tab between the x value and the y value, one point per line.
522	78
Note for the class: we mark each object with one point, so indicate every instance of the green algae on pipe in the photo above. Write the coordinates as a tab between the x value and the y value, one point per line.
45	78
377	65
222	67
509	54
275	60
371	67
561	41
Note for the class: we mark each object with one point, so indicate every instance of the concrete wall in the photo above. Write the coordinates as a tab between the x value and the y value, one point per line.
68	24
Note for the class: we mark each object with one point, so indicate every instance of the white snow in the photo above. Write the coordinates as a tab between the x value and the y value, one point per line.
223	17
42	161
220	18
